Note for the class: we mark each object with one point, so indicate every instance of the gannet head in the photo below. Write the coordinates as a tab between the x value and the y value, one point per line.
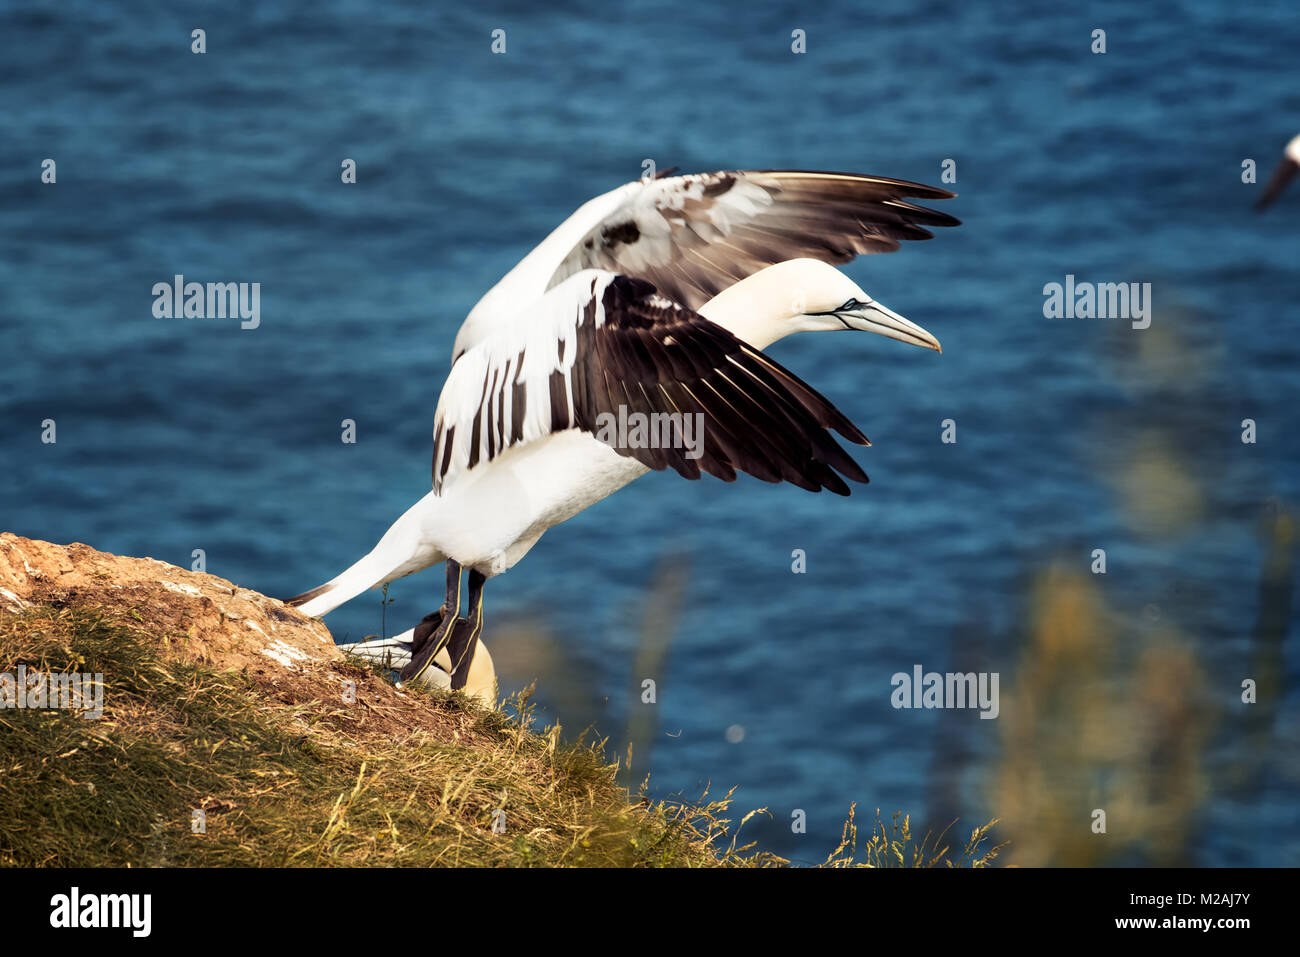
806	295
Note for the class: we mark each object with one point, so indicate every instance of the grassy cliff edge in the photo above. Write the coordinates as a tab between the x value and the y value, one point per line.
232	731
235	733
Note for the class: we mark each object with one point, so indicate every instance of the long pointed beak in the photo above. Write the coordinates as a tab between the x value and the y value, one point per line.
1281	176
873	317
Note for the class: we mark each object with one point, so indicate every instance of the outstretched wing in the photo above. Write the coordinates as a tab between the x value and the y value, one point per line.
694	236
602	346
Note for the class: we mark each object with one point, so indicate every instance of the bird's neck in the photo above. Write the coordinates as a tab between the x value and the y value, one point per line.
746	311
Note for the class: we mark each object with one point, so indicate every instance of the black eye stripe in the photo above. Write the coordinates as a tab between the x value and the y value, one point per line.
852	304
849	306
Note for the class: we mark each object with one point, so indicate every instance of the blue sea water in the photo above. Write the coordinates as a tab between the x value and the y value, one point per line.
178	434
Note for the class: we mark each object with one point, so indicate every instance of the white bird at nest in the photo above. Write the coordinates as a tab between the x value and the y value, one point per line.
648	306
395	653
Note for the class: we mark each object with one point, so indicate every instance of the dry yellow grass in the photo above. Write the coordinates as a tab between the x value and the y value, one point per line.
286	778
227	706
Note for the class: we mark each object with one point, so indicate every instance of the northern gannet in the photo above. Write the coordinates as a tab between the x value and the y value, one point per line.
655	299
1282	175
395	653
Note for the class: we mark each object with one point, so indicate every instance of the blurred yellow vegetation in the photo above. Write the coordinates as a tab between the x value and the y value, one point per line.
1100	717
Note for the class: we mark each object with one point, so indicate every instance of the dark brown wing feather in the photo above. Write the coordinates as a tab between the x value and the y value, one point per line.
693	236
651	356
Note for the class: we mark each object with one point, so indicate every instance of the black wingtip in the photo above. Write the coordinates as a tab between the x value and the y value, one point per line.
1277	183
848	490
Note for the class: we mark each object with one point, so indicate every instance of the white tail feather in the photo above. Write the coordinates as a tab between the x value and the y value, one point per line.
364	575
402	551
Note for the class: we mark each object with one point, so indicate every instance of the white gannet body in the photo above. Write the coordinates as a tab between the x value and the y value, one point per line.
650	304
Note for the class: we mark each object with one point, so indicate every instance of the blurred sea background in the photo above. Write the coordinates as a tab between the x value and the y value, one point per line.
1119	691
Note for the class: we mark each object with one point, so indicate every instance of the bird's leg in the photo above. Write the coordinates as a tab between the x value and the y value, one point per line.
464	639
427	626
423	652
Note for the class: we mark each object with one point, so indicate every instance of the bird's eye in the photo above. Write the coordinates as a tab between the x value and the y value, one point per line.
849	306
